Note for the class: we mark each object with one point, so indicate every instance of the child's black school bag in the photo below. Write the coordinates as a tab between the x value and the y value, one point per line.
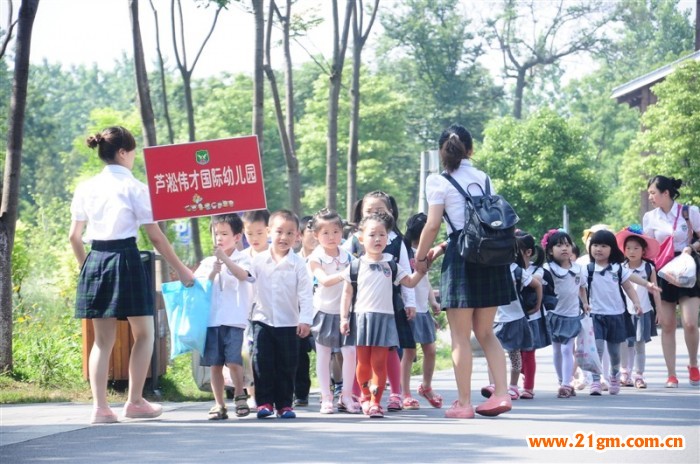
488	236
549	294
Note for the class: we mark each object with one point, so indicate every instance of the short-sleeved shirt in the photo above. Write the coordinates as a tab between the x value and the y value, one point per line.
422	290
659	225
374	285
439	191
230	301
642	291
605	296
513	310
567	283
327	298
114	203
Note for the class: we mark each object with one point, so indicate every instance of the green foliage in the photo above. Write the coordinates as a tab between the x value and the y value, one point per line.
672	135
539	165
20	259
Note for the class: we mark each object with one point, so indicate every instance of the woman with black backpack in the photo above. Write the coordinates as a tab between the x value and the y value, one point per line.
469	293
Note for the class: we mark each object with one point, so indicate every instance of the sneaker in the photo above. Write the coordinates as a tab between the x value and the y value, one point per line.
264	411
595	389
487	391
672	381
286	413
494	406
456	411
301	402
614	387
144	410
694	374
513	392
327	407
103	416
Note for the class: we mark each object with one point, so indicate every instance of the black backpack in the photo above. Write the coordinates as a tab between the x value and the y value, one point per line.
488	236
549	294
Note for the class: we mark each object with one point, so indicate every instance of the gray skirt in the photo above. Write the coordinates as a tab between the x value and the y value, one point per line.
423	328
514	335
376	329
326	330
563	328
540	333
642	326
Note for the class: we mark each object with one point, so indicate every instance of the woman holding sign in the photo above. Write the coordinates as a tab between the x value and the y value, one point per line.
469	293
112	284
670	218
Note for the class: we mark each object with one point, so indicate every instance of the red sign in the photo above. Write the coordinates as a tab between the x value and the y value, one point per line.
205	178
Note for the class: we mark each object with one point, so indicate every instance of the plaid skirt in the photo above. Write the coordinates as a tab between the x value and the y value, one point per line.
113	282
468	285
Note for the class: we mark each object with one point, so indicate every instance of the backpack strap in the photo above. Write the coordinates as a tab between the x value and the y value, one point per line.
649	269
354	270
619	282
518	275
591	270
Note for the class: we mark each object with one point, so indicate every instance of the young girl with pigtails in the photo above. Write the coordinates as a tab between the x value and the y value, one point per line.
564	320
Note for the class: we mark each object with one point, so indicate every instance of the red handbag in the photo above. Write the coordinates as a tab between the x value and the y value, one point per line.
666	251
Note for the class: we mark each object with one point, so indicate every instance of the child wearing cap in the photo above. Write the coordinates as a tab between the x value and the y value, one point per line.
639	252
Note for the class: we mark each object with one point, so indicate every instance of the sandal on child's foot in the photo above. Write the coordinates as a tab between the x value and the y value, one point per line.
487	391
349	405
327	407
375	412
527	394
513	392
394	403
242	408
639	383
218	413
433	398
410	403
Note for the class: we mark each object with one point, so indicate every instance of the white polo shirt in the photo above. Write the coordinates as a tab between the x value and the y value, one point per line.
642	291
374	285
567	283
229	296
422	290
439	191
513	310
605	296
114	204
327	299
283	290
659	225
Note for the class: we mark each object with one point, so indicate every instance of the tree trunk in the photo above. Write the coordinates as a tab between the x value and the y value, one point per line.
161	67
148	120
11	181
340	42
258	72
353	150
520	84
697	25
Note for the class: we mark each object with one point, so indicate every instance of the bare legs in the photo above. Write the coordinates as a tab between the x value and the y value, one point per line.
98	364
140	358
689	312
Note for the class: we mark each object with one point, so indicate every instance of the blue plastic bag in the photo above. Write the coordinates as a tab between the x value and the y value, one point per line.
188	315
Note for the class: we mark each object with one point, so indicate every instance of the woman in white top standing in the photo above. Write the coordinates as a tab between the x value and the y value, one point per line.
112	284
659	224
469	293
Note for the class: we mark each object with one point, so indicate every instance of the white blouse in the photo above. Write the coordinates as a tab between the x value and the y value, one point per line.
659	225
327	298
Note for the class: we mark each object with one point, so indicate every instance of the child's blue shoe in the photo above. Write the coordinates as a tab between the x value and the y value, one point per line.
285	413
264	411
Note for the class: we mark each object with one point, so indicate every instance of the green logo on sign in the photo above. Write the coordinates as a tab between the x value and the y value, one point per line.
201	156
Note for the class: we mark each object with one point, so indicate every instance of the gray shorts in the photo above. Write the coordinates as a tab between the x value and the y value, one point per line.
223	346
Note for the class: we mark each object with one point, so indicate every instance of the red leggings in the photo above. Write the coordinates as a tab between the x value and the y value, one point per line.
528	370
371	369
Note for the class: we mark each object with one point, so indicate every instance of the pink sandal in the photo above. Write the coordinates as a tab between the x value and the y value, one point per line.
433	398
410	403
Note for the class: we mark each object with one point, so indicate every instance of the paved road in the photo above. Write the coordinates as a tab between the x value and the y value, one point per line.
58	432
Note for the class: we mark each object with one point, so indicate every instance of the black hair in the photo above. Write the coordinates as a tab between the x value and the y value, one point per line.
605	237
663	184
259	215
233	220
455	144
305	223
388	200
286	215
325	216
383	218
558	238
526	242
110	141
414	227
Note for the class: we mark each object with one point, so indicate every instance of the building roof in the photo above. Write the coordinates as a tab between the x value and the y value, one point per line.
624	92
